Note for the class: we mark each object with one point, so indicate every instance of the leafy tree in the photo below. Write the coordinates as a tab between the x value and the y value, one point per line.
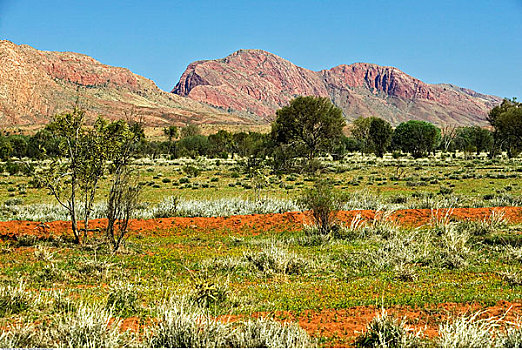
6	149
190	130
416	137
221	143
83	156
506	119
308	127
373	134
171	132
473	139
193	146
19	144
361	132
380	135
42	145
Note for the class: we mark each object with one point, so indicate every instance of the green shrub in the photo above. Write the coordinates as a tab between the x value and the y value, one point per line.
324	203
123	299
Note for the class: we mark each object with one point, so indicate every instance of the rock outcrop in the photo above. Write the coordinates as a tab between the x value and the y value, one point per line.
258	82
34	85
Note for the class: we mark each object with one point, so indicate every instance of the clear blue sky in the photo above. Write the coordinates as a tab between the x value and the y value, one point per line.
471	43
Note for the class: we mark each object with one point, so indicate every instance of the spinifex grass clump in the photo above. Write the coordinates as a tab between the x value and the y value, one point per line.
20	336
184	325
123	299
486	226
14	300
512	335
266	333
89	326
468	332
385	331
275	259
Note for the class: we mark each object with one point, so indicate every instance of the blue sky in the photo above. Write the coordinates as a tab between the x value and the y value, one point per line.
471	43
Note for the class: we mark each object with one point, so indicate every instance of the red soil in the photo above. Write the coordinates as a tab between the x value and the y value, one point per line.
256	223
344	325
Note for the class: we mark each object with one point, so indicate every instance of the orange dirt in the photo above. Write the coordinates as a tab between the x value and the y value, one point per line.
256	223
344	325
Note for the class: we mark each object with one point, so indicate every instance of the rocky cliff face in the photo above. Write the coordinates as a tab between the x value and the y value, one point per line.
258	82
34	85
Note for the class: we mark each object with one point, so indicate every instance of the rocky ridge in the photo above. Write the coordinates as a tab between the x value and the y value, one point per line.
258	82
37	84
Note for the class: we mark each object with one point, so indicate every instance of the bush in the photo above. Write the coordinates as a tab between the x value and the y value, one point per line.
191	170
324	203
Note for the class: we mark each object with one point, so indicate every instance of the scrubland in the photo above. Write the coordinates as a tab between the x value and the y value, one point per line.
403	265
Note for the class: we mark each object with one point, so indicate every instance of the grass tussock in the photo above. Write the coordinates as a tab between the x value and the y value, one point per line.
15	299
183	325
274	259
385	331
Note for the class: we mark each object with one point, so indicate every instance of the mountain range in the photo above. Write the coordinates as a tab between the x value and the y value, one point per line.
246	87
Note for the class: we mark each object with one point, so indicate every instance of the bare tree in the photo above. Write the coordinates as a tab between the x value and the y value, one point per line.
449	132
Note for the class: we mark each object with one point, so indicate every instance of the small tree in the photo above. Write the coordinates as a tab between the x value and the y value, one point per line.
72	176
324	203
507	121
171	132
62	177
449	132
380	135
416	137
124	192
309	126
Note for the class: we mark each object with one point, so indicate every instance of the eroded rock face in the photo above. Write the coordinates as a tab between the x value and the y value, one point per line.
248	80
34	85
258	82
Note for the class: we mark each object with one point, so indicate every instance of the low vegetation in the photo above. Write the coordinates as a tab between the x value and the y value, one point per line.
213	279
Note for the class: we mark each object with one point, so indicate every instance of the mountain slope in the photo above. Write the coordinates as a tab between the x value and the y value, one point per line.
36	84
258	82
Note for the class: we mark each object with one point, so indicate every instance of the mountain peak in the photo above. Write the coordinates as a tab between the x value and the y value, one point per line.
37	84
258	82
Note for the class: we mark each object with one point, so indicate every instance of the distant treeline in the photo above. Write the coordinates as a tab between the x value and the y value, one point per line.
224	144
300	131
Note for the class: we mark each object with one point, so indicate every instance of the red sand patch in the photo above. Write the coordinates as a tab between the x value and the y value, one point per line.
256	223
344	325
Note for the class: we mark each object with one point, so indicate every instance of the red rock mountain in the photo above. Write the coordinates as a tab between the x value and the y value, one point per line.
258	82
36	84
